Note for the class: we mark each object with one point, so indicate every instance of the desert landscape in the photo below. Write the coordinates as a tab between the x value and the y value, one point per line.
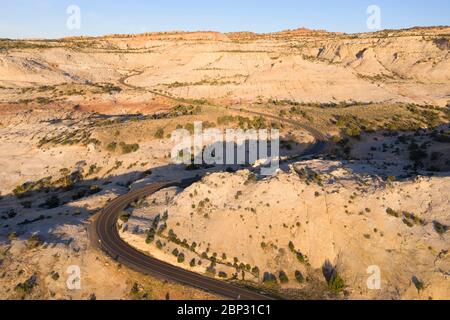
362	183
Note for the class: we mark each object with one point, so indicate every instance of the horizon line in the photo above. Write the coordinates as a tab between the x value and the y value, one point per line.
224	33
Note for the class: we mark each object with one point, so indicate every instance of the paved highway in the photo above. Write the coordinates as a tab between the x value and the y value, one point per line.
111	242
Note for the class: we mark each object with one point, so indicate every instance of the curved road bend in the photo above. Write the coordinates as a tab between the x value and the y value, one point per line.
318	136
111	242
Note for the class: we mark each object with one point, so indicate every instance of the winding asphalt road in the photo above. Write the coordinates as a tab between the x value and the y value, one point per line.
111	242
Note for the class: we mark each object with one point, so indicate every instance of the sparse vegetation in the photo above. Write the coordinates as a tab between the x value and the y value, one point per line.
440	228
159	134
283	277
27	287
299	277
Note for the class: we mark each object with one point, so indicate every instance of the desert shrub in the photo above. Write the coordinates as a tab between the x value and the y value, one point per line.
129	148
159	244
190	127
124	217
55	275
391	179
211	269
222	275
352	125
134	289
192	263
291	246
159	134
353	132
420	285
180	258
112	146
392	212
175	252
410	219
299	277
162	228
269	278
300	257
26	287
150	236
336	284
172	235
255	271
283	277
440	228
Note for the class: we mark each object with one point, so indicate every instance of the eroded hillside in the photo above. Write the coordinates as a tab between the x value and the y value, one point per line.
85	120
389	66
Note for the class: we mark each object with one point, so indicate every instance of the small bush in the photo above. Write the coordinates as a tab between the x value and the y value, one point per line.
27	286
55	275
291	246
300	257
391	179
299	277
124	217
255	271
111	147
440	228
392	212
336	284
211	270
159	134
283	277
420	286
129	148
269	278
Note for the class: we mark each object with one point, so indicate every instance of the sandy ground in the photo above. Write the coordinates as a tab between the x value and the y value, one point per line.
403	66
345	221
69	110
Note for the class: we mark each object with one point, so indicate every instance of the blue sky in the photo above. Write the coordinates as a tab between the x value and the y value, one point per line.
47	18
